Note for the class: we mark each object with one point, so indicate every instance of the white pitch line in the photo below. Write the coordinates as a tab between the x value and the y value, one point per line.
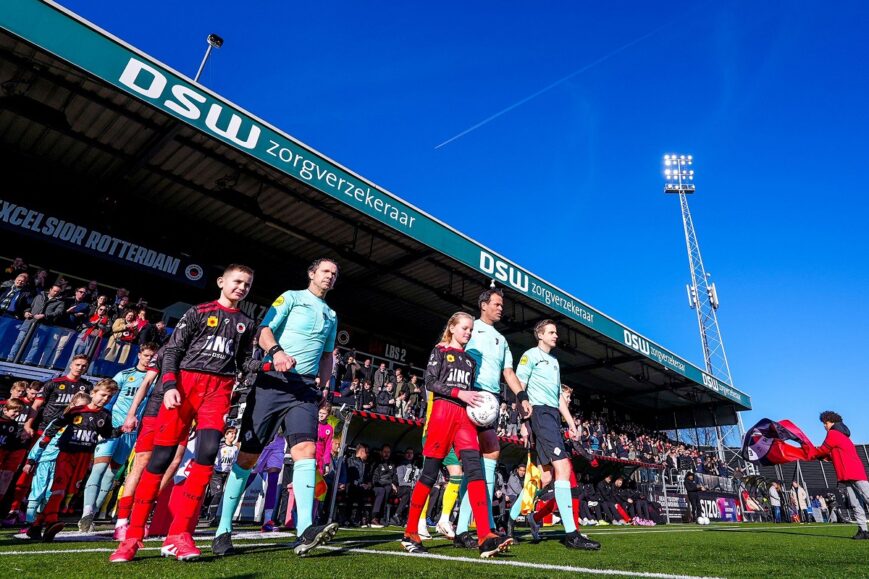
107	550
523	564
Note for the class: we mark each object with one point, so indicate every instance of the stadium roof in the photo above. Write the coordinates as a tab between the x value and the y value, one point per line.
75	96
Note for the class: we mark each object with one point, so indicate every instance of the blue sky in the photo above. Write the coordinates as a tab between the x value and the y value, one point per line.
770	98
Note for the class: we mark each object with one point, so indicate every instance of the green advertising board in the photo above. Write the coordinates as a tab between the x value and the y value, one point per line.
59	32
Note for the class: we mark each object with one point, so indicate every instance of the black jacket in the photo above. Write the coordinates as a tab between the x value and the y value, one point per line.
383	404
691	485
364	398
357	472
605	491
384	475
150	333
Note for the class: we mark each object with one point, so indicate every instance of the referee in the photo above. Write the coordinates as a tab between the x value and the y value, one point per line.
298	336
539	373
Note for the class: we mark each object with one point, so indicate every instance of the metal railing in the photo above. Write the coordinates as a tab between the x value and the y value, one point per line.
29	343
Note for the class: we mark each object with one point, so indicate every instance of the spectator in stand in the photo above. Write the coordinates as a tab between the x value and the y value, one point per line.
93	330
119	308
365	400
45	310
338	369
384	482
17	266
93	291
154	333
141	319
503	419
74	317
402	410
385	400
124	332
414	399
101	300
381	377
15	296
65	289
513	425
353	369
775	500
367	371
120	295
40	283
401	385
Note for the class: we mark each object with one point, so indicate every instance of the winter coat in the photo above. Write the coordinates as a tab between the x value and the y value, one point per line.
839	448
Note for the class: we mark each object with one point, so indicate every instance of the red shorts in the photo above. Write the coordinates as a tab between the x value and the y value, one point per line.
71	470
145	438
449	427
12	459
204	397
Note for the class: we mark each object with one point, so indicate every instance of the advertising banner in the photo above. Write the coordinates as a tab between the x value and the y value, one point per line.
50	27
34	223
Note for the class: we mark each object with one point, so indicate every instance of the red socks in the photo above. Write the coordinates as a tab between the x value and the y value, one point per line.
125	505
143	503
187	498
417	503
479	498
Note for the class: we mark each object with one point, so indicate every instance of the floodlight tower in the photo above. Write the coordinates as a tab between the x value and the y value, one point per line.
702	295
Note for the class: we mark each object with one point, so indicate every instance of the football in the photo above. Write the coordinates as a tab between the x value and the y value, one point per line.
702	520
486	413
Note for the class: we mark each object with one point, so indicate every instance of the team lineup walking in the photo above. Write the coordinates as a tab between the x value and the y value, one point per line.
176	398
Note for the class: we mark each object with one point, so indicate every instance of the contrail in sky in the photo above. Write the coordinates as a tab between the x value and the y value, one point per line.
549	87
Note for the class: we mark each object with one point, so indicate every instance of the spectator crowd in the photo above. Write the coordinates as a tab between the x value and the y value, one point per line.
55	319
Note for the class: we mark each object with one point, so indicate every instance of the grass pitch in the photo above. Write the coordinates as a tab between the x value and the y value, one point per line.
724	550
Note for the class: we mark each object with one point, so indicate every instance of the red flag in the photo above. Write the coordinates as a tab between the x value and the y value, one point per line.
767	442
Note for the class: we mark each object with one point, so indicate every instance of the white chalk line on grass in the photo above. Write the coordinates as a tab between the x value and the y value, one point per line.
109	550
523	564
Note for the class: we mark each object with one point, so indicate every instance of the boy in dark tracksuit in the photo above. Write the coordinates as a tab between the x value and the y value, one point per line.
84	425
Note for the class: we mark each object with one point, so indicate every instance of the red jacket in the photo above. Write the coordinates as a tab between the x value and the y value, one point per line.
839	448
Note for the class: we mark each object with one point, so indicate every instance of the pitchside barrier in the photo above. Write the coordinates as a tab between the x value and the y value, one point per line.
39	352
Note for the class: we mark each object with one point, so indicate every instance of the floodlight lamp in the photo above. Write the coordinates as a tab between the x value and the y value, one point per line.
682	157
690	157
215	40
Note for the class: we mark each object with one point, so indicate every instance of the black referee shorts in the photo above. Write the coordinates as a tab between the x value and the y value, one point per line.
548	440
289	401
